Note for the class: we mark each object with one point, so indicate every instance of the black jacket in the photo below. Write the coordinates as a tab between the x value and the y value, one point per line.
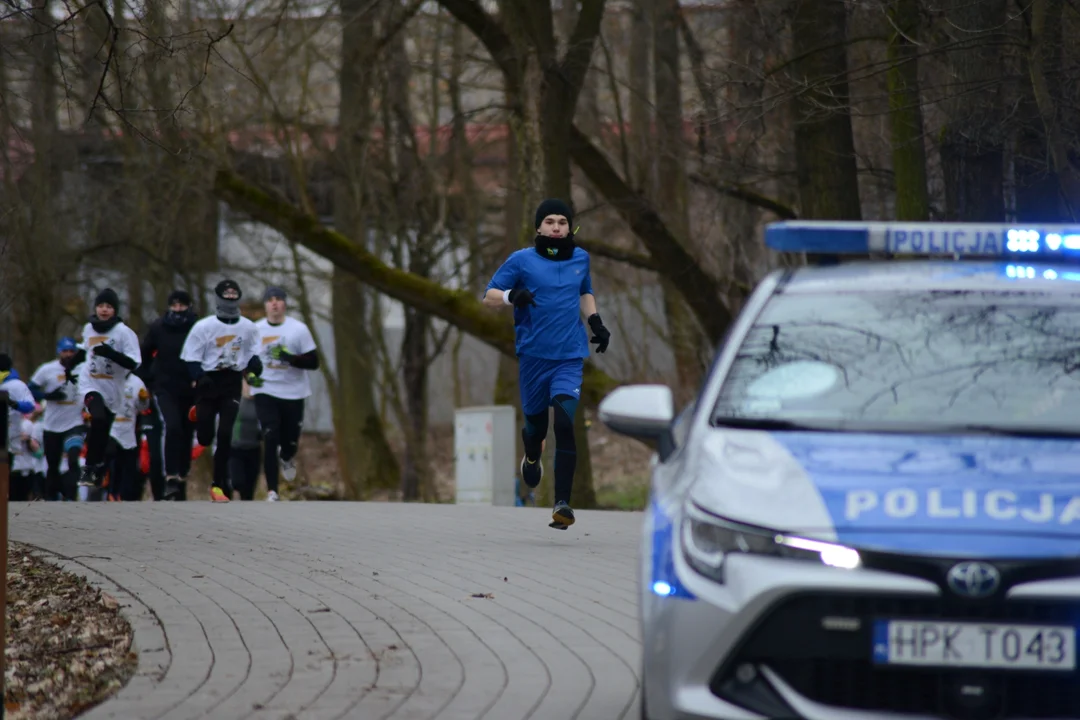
162	369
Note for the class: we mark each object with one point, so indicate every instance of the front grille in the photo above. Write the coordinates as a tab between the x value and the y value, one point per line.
835	667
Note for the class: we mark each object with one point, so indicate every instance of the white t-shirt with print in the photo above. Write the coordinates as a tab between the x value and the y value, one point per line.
124	425
219	345
60	415
280	379
19	392
23	460
101	374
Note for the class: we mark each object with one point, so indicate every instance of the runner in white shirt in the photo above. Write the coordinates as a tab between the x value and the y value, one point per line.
20	402
64	425
221	351
124	476
287	351
23	462
112	352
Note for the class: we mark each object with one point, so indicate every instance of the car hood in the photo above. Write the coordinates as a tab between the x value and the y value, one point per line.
985	496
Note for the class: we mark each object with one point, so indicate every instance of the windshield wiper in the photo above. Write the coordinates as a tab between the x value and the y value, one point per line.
1032	432
762	423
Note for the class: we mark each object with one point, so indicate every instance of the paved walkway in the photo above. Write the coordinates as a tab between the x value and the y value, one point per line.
367	611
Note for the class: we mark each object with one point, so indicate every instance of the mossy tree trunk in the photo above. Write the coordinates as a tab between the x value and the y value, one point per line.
824	142
905	112
974	136
365	459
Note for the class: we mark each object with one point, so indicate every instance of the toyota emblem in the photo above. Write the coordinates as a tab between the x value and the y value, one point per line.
973	579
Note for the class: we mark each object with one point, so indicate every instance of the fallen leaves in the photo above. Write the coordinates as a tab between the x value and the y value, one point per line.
67	645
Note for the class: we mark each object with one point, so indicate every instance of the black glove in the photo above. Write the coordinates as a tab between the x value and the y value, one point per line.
601	335
107	351
73	379
57	394
203	383
521	297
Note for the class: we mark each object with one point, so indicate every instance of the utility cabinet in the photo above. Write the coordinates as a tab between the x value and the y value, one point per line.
484	445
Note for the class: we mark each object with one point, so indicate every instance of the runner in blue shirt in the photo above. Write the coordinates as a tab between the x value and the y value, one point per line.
550	288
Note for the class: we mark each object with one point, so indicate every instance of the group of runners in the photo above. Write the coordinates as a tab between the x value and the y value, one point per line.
197	376
74	427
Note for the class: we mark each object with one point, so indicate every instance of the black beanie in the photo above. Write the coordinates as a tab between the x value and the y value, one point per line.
5	362
553	206
180	296
275	291
108	296
225	285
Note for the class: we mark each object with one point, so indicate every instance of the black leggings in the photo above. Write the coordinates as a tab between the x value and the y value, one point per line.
101	420
178	430
124	473
55	483
534	432
220	401
21	486
280	421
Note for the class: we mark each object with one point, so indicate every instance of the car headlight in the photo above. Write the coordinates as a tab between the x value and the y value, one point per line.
707	541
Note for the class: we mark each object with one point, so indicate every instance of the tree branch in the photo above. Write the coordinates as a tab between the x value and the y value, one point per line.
457	307
702	292
746	195
491	34
604	250
578	58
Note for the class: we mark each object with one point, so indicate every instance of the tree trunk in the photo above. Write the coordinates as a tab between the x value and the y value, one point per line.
641	175
1038	192
36	309
1044	68
973	138
365	459
824	145
905	113
670	193
412	217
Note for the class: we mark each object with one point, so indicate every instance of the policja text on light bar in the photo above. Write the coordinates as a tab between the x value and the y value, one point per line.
986	240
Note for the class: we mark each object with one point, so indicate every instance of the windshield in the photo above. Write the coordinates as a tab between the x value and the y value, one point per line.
915	360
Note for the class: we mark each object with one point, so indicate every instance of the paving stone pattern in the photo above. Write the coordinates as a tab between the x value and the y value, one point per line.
356	610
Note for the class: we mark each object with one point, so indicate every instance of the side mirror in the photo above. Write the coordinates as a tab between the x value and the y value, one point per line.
644	412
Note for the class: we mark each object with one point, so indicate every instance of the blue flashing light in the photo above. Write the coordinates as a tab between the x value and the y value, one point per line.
665	581
957	240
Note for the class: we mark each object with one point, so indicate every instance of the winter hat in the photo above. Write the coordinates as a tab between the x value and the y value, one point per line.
179	296
553	206
227	284
108	296
66	343
227	308
275	291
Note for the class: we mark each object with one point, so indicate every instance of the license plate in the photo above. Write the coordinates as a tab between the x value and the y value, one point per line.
974	645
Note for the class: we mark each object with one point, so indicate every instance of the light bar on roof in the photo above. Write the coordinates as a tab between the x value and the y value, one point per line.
959	240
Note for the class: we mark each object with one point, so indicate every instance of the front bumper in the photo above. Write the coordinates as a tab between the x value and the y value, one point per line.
789	639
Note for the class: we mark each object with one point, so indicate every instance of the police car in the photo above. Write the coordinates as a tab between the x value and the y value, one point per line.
872	507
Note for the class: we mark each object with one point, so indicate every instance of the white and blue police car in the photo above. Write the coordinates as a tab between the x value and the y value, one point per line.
872	507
